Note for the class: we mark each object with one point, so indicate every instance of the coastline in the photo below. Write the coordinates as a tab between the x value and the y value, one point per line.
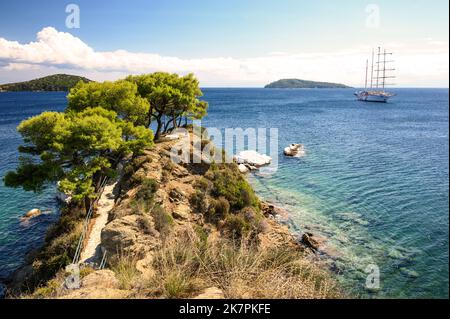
275	220
315	243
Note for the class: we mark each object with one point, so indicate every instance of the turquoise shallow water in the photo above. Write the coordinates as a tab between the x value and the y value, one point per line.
374	180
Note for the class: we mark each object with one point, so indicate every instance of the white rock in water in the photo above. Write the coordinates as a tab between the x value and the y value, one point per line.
242	168
32	213
294	150
252	158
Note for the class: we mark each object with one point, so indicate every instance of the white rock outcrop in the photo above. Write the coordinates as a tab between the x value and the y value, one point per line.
252	158
296	150
32	213
172	137
243	169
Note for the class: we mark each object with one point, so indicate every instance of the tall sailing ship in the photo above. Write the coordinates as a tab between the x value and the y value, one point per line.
375	92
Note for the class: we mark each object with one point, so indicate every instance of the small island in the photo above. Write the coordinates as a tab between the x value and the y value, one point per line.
56	82
304	84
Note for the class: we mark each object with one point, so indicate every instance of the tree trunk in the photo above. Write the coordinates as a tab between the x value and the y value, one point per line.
97	181
158	128
166	126
174	121
87	204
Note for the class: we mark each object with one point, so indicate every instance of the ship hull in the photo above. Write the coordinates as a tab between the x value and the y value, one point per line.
372	97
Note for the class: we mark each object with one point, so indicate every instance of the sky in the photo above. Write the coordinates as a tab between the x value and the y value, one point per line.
225	43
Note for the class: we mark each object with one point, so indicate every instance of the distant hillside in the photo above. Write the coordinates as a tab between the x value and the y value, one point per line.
56	82
303	84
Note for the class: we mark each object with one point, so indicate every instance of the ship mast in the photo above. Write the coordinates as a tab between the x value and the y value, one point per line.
371	72
367	68
378	66
381	67
384	68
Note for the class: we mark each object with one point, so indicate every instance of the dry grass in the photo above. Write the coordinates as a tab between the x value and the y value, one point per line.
186	265
124	267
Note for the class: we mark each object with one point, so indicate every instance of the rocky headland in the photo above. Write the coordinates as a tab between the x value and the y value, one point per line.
187	230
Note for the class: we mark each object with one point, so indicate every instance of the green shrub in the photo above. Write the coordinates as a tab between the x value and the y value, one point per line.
142	202
128	170
136	179
145	224
218	209
209	174
251	215
167	164
49	290
86	270
202	236
207	145
147	190
197	130
236	226
229	183
222	207
66	223
198	201
163	221
202	184
139	161
63	244
45	268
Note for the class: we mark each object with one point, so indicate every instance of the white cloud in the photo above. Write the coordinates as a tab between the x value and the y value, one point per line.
53	49
20	66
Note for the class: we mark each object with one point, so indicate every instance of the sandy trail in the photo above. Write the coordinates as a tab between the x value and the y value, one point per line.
92	252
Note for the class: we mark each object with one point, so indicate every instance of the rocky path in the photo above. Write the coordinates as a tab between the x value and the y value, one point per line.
92	252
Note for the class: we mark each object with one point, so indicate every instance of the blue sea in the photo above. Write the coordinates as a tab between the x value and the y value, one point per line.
374	182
